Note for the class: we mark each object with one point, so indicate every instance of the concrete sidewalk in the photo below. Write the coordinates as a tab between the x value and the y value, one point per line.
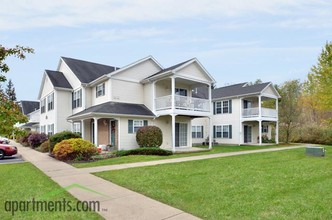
116	202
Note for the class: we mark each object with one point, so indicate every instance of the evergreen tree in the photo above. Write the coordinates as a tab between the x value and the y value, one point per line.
10	91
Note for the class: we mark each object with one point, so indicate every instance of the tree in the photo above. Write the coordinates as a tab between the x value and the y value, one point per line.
17	51
319	83
289	111
10	91
10	112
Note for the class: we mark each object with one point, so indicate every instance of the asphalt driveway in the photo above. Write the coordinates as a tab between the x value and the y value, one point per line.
12	159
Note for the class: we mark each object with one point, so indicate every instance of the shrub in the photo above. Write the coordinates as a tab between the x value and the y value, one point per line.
149	136
74	149
144	151
58	137
24	139
36	139
44	147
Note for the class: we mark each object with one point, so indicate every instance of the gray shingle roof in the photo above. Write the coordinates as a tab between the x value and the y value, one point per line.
29	106
117	108
86	71
170	68
237	90
58	79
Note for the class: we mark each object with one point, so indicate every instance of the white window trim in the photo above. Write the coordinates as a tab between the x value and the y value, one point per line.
100	90
194	129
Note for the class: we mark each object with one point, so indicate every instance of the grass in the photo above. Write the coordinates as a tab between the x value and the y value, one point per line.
143	158
24	182
275	185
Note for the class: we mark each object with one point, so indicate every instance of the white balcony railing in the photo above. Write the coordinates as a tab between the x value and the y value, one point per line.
254	112
182	102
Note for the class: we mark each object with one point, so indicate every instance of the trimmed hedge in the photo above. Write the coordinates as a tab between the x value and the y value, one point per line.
74	149
149	136
58	137
44	147
144	151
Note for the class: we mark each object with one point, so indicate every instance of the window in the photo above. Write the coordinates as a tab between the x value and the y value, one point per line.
43	129
182	92
222	107
222	131
77	127
42	105
246	104
50	129
134	125
50	102
225	107
100	90
197	131
77	99
265	129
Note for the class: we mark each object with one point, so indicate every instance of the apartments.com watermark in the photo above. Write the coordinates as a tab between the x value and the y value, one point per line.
51	206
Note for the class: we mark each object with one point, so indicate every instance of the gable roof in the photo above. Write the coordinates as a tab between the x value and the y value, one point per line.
168	69
29	106
240	89
86	71
58	79
116	108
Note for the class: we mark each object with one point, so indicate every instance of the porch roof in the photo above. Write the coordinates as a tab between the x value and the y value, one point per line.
115	108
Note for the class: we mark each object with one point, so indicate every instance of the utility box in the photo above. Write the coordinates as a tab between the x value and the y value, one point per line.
315	151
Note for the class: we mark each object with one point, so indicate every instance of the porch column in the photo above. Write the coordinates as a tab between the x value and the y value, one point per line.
260	132
82	129
95	131
154	97
173	93
173	132
277	122
277	132
259	106
210	99
210	133
240	126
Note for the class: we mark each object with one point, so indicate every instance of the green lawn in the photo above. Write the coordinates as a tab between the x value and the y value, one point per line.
141	158
275	185
24	182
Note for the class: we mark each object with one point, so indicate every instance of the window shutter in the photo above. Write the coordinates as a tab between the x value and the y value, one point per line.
96	91
214	108
214	131
72	102
202	132
230	131
145	122
230	106
130	127
81	101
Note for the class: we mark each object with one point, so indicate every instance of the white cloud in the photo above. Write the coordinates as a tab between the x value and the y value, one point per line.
16	14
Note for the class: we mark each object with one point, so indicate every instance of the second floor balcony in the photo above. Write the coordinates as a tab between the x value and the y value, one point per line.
185	103
263	113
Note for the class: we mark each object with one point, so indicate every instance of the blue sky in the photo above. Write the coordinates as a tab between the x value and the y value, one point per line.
236	41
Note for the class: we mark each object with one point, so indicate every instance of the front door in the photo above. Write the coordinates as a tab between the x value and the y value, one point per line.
181	134
247	133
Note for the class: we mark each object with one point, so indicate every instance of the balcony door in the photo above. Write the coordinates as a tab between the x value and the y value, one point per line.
247	133
181	134
246	104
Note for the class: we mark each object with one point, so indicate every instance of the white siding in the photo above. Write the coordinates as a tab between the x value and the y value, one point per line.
71	77
201	122
194	71
101	99
63	109
139	72
229	119
270	92
148	95
130	92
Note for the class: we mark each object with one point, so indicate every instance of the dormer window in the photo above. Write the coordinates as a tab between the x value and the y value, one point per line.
100	90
